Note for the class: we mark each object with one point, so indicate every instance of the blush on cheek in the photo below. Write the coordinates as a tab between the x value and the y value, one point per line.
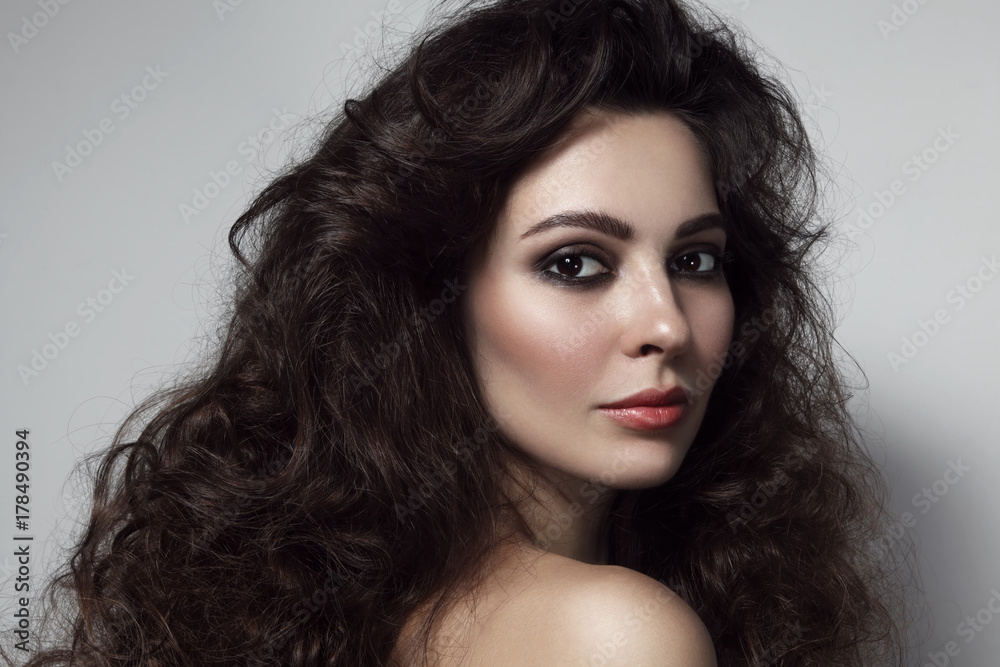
539	343
712	326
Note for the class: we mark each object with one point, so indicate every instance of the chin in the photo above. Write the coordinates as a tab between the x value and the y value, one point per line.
643	467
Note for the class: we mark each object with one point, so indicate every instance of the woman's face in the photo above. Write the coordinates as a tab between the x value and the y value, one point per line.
620	292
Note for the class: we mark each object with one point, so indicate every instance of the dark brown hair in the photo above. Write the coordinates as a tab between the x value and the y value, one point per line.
333	467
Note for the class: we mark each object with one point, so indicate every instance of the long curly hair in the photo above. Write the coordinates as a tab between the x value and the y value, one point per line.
332	467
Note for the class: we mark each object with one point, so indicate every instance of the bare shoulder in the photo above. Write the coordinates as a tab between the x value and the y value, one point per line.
548	610
576	614
610	615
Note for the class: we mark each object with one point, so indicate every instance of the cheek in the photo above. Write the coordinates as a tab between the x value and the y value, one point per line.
712	328
533	344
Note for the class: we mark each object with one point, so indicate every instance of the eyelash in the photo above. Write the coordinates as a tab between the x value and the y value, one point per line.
720	259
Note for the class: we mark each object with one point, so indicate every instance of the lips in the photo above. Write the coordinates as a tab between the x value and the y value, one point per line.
652	398
650	409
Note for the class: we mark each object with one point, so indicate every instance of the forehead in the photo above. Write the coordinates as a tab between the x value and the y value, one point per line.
645	166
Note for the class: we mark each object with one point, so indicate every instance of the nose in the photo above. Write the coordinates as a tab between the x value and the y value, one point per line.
656	322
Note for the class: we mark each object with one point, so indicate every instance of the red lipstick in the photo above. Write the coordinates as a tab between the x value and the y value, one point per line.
650	409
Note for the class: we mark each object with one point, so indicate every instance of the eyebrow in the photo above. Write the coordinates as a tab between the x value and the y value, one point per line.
618	228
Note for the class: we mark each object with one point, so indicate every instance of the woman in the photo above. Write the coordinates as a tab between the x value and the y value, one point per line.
526	365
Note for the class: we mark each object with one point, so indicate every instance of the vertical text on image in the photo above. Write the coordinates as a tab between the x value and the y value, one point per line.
22	543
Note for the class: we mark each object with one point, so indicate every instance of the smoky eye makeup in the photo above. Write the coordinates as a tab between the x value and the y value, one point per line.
581	263
576	265
584	265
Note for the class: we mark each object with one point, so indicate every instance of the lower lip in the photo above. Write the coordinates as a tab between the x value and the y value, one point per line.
648	418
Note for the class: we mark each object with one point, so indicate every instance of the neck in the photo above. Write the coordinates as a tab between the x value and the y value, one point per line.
565	516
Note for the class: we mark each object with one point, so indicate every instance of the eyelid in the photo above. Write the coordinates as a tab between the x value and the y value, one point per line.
585	248
588	250
707	237
591	250
721	256
706	246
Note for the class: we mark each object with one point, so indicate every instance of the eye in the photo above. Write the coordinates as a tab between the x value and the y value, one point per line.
700	264
574	265
583	266
697	262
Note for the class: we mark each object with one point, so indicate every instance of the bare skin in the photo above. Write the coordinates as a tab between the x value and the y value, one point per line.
542	609
563	320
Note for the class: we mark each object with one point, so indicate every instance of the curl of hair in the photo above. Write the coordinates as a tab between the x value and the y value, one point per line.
333	467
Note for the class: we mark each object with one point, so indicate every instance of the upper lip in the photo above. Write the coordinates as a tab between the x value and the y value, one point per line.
652	397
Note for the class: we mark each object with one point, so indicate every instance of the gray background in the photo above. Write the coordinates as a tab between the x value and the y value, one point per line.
874	97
